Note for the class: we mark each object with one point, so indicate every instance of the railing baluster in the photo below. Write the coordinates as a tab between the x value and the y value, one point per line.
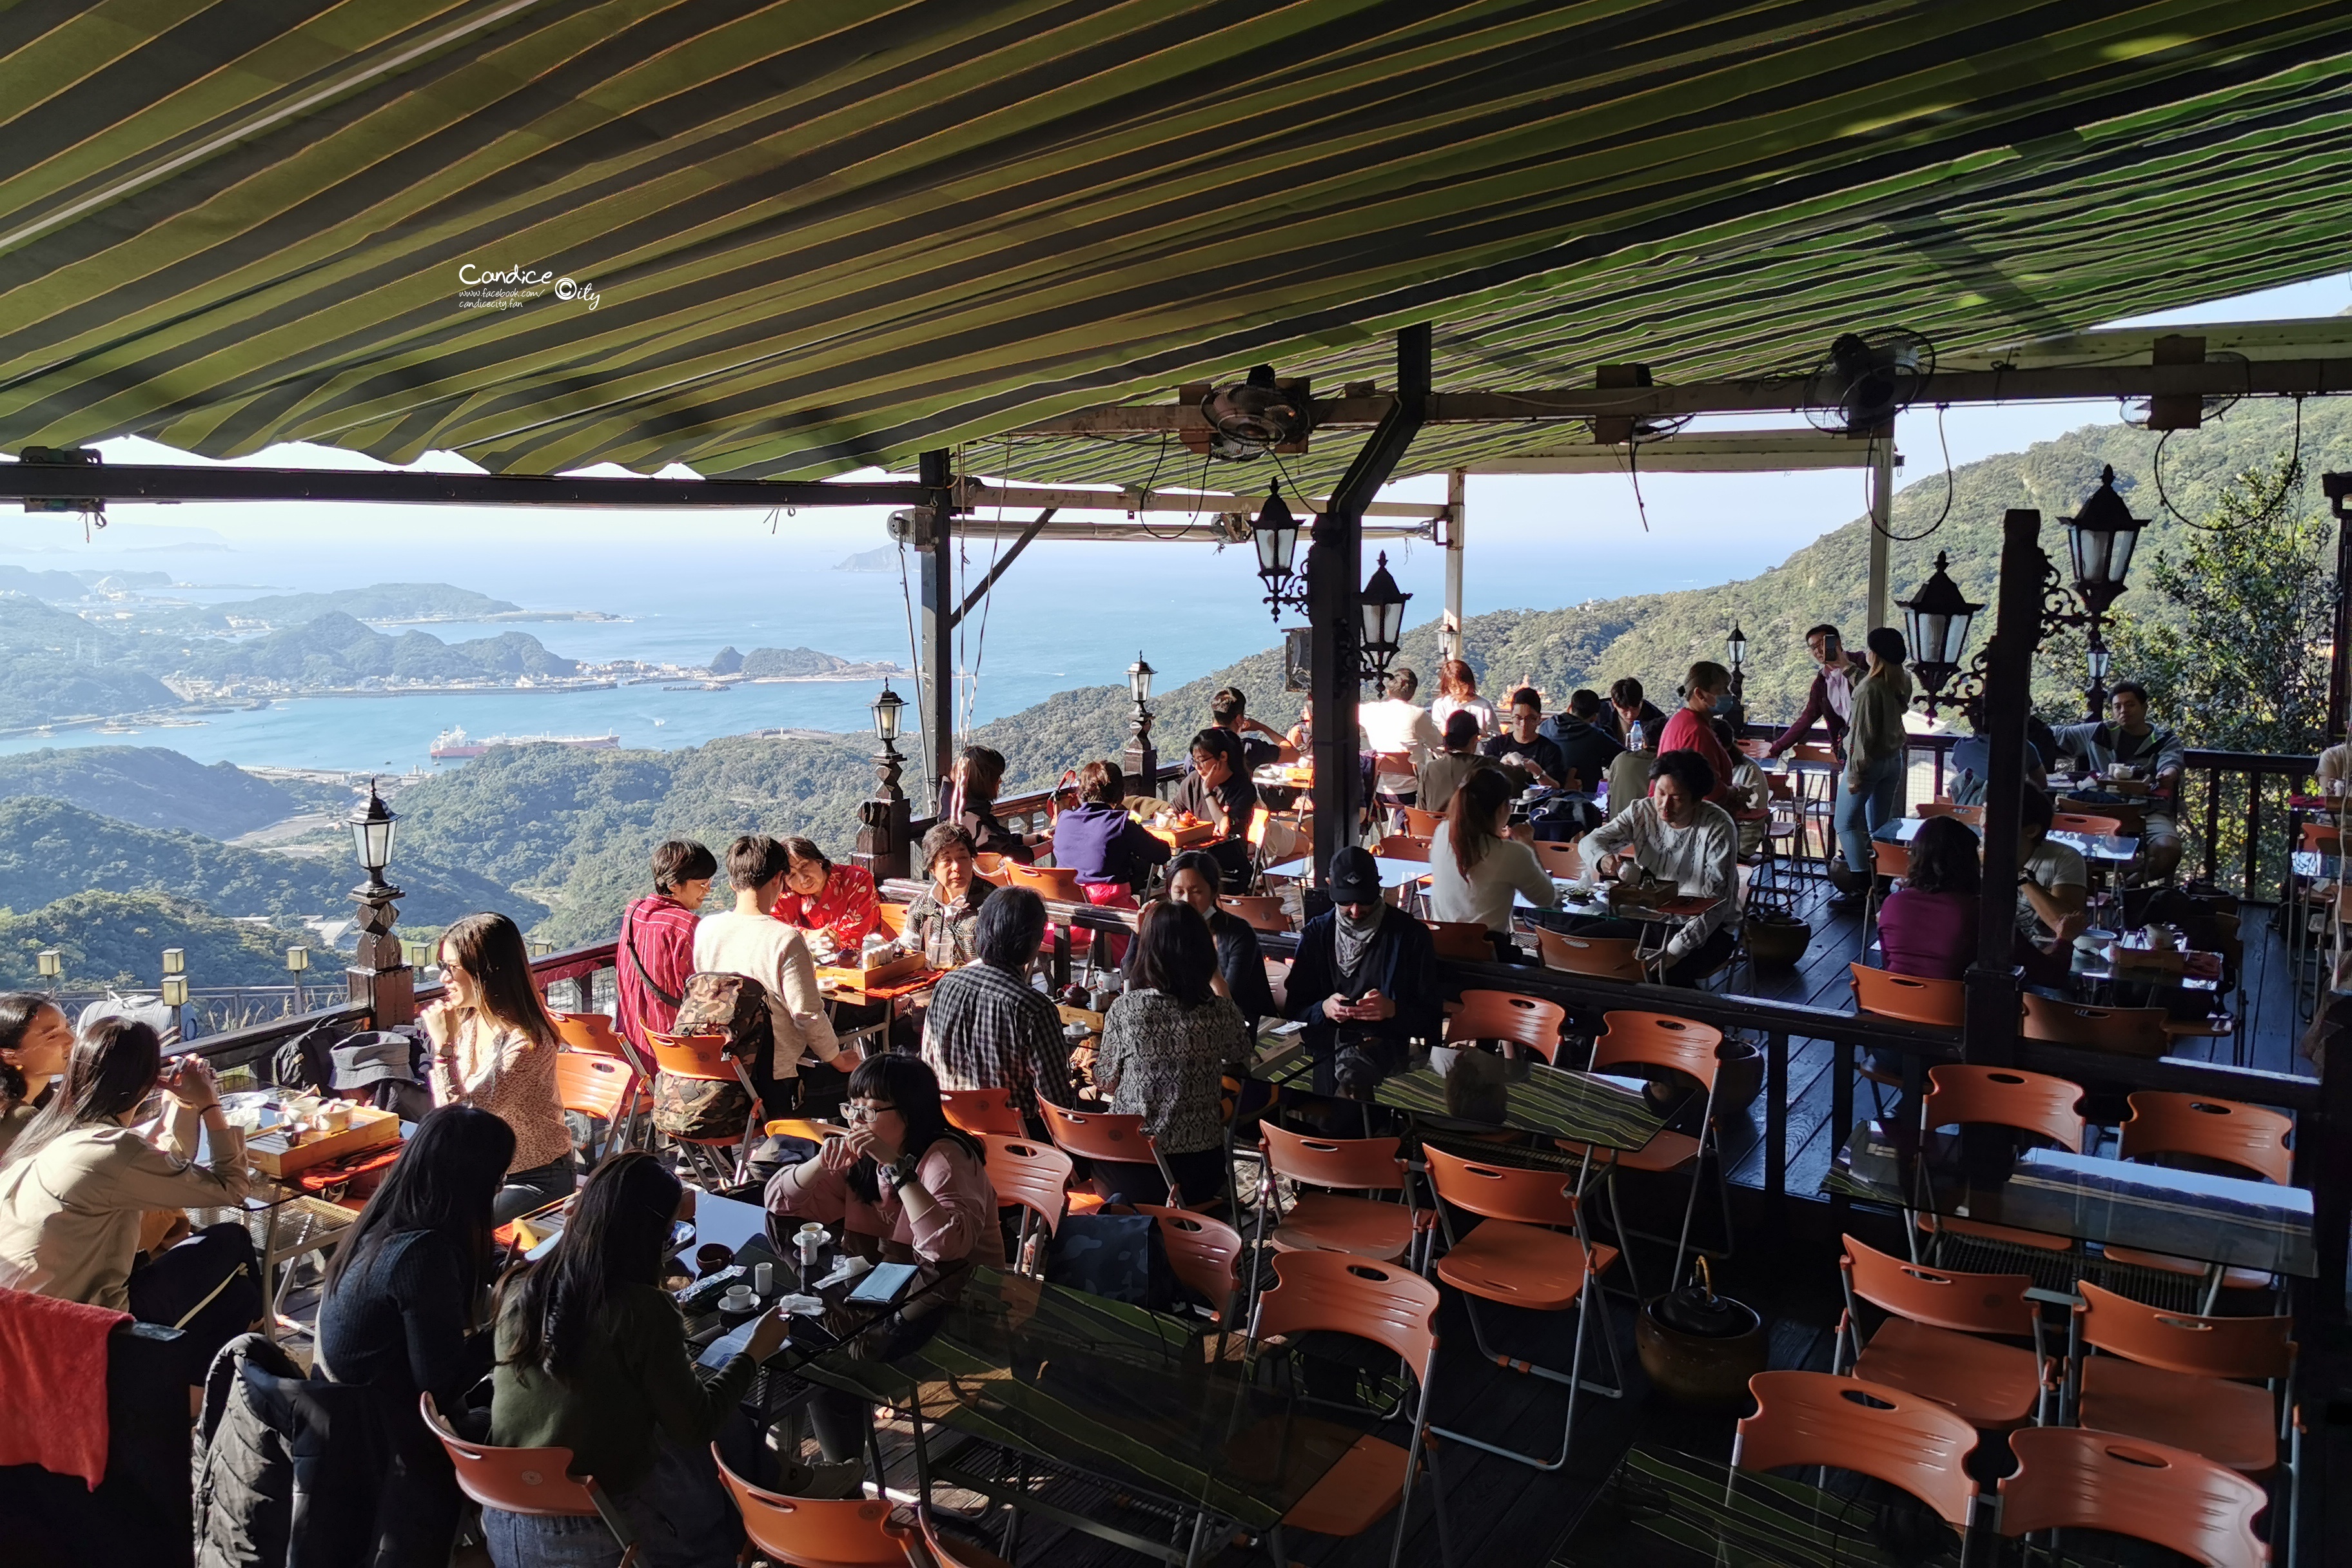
2212	819
1776	1124
2253	833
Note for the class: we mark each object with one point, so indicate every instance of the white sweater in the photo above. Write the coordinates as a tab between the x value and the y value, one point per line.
776	955
1484	895
1702	860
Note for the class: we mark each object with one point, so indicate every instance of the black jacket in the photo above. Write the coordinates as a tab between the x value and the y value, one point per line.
285	1476
1586	749
1402	965
1240	960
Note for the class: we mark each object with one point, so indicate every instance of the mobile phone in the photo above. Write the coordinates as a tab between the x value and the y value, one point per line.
884	1284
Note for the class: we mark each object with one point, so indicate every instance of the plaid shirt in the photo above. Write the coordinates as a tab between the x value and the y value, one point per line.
661	931
987	1029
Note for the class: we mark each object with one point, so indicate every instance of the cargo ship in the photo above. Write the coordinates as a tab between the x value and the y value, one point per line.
453	745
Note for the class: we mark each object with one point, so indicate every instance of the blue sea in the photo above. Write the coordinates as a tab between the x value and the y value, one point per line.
1066	614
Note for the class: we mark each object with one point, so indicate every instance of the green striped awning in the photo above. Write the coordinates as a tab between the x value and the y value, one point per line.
821	235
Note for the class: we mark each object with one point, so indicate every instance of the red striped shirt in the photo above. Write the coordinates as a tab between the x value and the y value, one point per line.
659	930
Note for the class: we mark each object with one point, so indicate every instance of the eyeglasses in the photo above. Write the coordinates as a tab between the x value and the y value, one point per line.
856	1112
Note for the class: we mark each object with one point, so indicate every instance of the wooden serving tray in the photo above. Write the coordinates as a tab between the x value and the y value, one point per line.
899	968
273	1154
1185	837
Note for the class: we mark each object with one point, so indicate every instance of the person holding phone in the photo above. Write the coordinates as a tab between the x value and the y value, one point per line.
903	1186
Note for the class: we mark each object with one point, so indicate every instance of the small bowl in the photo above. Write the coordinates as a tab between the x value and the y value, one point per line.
710	1259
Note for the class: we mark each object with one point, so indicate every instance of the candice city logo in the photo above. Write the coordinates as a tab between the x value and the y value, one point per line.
481	288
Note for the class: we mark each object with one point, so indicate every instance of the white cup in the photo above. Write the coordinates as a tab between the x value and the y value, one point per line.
764	1279
739	1298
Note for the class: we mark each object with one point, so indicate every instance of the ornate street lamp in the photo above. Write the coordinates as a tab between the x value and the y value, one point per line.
2095	698
1141	761
1735	648
1276	534
2101	536
1936	623
1383	622
379	975
419	954
51	964
882	847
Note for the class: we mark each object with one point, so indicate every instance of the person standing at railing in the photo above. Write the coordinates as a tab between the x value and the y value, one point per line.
2132	748
494	1044
1870	785
656	943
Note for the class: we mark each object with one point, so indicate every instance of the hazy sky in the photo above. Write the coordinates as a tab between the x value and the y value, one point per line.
1752	519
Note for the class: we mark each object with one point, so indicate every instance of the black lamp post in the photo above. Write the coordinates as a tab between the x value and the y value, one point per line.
380	977
1936	623
1735	648
1142	762
1383	622
1275	533
2095	697
882	840
2100	538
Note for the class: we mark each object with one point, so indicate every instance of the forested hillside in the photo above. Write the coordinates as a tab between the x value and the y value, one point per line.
154	787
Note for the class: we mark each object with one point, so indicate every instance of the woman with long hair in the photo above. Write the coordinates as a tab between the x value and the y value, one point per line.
1875	745
78	1181
978	774
1928	926
1474	865
403	1297
904	1186
494	1044
1193	878
35	1042
1167	1042
592	1356
1457	692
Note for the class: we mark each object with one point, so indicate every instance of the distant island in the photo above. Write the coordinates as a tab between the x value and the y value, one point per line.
807	664
885	559
383	603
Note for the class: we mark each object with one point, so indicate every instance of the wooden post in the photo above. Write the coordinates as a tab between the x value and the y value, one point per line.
939	619
1457	488
1989	1030
1875	613
378	975
2323	1164
1335	571
2339	657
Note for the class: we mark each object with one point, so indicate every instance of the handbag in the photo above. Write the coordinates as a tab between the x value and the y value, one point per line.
1114	1253
208	1287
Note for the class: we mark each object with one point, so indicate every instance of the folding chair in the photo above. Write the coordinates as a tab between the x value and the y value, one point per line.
1672	1045
1601	957
1528	1250
2222	1388
528	1480
1935	1340
1330	1221
2068	1478
1338	1292
598	1088
703	1059
1915	999
1910	1443
2126	1031
2205	1132
1263	913
1201	1253
978	1110
2035	1103
1505	1015
592	1034
850	1532
1462	941
1115	1139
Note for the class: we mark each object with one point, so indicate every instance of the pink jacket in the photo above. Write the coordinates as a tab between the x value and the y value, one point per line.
962	1224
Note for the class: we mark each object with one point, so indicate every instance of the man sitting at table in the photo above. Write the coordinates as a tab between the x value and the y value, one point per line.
1218	793
2052	882
1523	750
1366	975
1585	747
1442	773
987	1027
1395	728
1676	835
1627	709
2152	753
1229	711
749	941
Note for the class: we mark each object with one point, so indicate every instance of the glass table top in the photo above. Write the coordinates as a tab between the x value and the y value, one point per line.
2112	848
1484	1089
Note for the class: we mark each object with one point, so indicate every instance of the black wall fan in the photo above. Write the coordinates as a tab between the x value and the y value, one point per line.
1868	379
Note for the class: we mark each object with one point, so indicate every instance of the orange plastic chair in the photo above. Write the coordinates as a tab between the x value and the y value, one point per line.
1912	1444
1056	882
1404	846
1528	1249
983	1110
1263	913
2030	1102
594	1034
894	919
992	867
537	1481
2126	1031
2068	1478
1034	1175
1463	942
1927	808
1602	957
1910	997
1419	823
853	1532
1201	1254
1931	1345
2187	1381
1108	1135
1335	1292
596	1087
1528	1021
2082	822
700	1058
1559	859
1675	1045
2202	1131
1331	1222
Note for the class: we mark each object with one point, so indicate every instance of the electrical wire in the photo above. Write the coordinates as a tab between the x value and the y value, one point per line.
915	657
988	595
2292	480
1949	484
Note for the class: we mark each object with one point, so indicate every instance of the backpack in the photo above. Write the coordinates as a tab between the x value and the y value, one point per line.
1119	1256
700	1110
734	1006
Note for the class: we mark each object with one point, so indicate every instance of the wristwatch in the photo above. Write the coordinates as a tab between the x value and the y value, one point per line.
902	1171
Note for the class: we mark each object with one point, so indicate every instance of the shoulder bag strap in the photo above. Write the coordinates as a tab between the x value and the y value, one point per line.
629	941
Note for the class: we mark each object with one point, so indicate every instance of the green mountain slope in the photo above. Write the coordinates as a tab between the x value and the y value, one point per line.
50	850
153	787
117	938
380	602
337	648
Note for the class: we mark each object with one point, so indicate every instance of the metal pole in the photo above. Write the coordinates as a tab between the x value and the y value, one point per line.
1458	486
1882	510
1988	1030
2339	487
938	627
